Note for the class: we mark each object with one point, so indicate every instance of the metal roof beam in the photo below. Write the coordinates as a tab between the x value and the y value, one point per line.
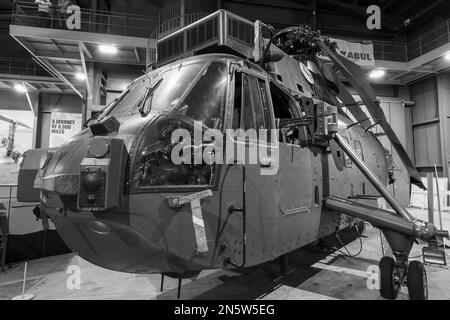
86	76
67	35
5	84
48	66
28	79
85	49
136	53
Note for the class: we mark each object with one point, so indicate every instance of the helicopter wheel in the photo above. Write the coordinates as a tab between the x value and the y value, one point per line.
417	281
389	284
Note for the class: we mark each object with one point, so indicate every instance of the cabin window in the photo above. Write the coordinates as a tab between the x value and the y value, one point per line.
283	106
248	120
337	154
257	105
358	150
248	110
265	103
237	103
347	160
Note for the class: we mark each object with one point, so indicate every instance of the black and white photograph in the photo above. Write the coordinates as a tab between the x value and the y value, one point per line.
224	155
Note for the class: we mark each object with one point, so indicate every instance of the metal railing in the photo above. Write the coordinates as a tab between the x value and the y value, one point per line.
7	192
392	51
20	66
26	13
100	21
383	50
429	40
414	47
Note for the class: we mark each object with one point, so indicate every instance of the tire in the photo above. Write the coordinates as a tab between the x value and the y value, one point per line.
417	281
388	288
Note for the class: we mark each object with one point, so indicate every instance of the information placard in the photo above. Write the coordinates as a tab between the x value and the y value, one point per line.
63	126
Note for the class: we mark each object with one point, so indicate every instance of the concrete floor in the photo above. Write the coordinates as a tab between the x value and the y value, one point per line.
315	274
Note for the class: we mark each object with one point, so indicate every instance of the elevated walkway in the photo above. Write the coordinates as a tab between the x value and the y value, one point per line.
64	53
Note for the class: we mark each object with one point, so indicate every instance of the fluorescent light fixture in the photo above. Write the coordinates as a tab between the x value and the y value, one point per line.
80	76
20	87
377	73
447	56
107	48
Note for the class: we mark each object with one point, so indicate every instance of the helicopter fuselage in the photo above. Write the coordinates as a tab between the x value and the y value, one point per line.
144	232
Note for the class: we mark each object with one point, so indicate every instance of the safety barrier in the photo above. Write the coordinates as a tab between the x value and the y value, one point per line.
100	21
11	65
7	194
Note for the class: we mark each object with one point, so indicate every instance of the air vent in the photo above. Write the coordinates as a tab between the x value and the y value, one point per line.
218	32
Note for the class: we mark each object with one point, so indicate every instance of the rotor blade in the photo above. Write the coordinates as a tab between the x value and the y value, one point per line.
352	106
11	120
356	77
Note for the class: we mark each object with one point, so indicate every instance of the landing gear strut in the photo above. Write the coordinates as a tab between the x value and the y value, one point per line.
395	273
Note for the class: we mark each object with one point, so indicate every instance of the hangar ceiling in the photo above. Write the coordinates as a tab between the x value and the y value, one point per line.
65	53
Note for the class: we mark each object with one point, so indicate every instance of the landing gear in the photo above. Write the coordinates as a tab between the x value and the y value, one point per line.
389	278
417	281
393	274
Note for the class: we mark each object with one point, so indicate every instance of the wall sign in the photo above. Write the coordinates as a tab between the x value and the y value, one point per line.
359	53
63	126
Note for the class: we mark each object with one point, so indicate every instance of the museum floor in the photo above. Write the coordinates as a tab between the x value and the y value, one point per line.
314	275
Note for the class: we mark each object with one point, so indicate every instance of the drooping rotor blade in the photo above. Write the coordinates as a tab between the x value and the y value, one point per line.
356	76
352	106
11	120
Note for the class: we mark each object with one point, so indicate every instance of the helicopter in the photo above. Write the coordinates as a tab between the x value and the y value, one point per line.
9	142
151	185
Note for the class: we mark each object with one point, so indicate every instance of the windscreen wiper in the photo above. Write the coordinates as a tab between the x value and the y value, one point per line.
148	95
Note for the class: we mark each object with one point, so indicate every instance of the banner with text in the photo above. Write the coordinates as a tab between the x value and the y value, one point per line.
359	53
63	126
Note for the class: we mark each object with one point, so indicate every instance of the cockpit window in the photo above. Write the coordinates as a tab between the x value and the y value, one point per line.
154	165
168	87
131	97
206	101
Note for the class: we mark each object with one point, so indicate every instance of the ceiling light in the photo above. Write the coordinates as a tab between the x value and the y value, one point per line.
376	74
107	48
20	87
447	56
80	76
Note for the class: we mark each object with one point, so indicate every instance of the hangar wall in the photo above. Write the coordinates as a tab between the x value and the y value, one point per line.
425	123
49	103
430	122
391	98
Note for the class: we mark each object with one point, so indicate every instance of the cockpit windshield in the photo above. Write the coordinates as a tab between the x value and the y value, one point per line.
161	91
204	101
169	85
